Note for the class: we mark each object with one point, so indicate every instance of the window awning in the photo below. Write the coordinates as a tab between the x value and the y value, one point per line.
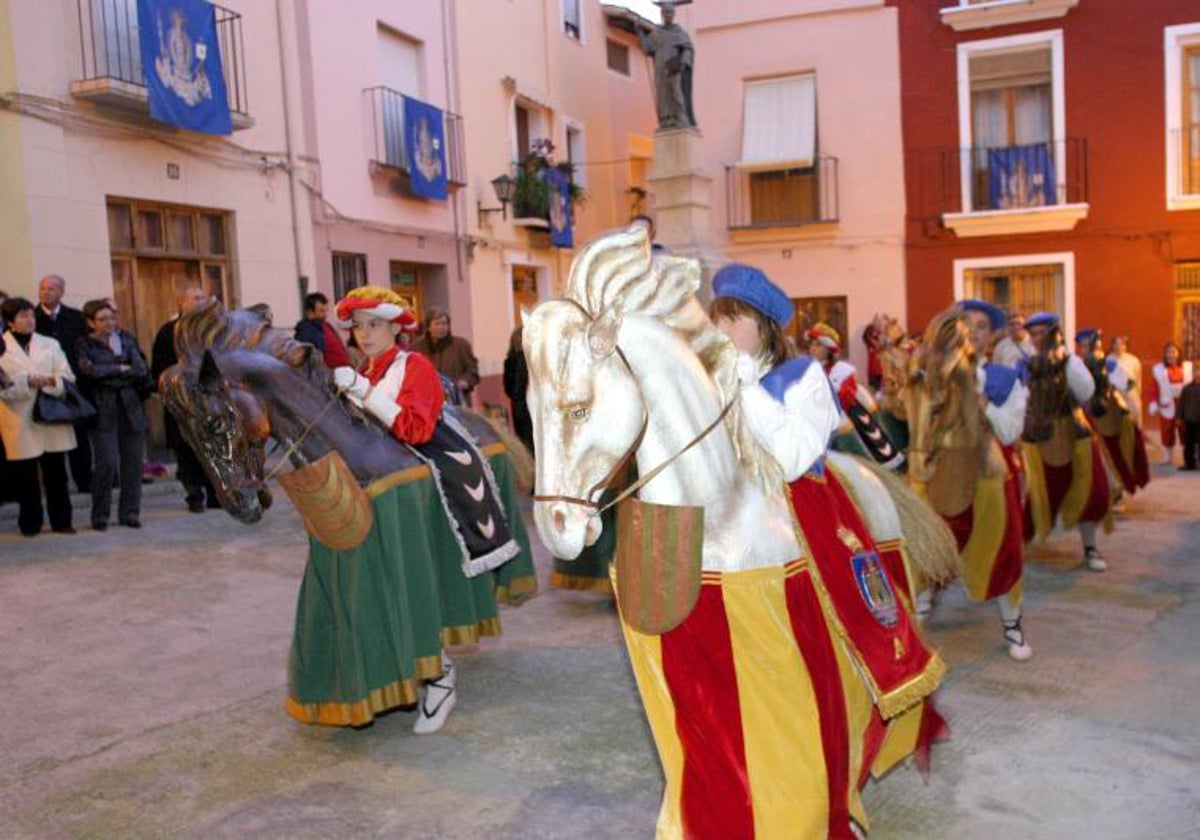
779	123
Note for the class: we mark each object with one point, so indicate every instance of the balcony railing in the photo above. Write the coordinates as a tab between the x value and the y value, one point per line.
111	57
385	109
788	197
1024	177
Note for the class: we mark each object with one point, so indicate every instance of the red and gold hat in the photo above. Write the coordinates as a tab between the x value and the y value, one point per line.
826	336
378	303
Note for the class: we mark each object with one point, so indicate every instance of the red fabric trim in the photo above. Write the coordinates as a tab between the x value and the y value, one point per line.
1010	557
933	729
872	743
848	393
808	625
961	526
697	659
893	655
420	398
1101	496
1058	482
335	352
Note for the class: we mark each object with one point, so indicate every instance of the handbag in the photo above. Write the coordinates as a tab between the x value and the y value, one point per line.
71	407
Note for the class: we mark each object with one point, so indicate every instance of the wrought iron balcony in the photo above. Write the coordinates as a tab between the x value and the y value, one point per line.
385	109
111	58
785	197
980	191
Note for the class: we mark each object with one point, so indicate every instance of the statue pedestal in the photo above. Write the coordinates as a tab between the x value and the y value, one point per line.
683	198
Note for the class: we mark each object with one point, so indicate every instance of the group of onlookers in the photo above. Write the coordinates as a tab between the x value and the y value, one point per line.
55	350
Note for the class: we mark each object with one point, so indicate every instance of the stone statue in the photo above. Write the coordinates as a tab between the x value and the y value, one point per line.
673	54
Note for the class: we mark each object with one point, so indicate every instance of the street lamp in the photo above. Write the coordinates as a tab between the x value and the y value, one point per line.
505	188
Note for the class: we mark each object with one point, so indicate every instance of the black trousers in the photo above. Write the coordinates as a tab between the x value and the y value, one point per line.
81	459
192	476
28	477
117	451
1191	444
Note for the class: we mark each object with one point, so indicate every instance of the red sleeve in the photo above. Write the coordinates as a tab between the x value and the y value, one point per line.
335	352
421	399
1152	390
848	392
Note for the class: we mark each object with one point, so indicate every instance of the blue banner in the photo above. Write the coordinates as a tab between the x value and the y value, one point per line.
1021	176
425	139
181	62
561	235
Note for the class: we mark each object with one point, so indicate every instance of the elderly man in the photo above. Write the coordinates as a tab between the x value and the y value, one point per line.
66	326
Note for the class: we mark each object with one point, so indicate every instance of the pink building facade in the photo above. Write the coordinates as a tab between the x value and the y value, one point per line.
798	102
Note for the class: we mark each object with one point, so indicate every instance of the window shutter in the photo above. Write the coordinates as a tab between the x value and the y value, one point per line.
779	123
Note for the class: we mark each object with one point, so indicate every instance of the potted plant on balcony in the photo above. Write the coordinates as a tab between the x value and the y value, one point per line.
531	202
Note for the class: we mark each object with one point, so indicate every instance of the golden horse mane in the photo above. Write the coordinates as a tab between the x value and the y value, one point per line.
618	274
944	367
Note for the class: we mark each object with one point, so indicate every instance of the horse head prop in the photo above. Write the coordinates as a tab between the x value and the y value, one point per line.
239	383
1049	395
948	443
895	349
629	365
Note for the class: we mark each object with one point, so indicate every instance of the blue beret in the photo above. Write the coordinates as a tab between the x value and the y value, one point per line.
749	285
1041	319
1085	335
994	313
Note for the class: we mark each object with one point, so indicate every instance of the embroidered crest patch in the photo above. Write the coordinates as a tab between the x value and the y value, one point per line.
875	588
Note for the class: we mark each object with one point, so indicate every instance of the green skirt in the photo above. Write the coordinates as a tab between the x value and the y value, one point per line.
371	623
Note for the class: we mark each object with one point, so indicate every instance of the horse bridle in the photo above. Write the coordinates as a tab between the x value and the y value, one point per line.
586	500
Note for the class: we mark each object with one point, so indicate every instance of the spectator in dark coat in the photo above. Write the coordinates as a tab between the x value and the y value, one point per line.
1189	417
66	326
112	364
516	384
315	330
196	486
451	355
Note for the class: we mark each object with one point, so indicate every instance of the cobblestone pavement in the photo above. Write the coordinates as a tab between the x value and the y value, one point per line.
144	679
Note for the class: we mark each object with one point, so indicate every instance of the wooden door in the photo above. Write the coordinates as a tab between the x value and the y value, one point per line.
525	289
156	295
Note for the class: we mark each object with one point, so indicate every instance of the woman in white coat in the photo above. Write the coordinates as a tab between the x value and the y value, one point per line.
32	363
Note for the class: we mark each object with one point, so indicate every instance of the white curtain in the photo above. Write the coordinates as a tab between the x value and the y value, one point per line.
779	122
1032	110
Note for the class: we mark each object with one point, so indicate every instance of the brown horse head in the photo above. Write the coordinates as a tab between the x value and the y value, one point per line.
947	430
895	349
1049	396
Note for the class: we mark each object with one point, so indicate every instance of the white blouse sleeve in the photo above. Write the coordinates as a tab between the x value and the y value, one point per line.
797	431
1079	379
1008	419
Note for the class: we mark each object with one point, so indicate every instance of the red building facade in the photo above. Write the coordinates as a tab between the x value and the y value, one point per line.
1052	161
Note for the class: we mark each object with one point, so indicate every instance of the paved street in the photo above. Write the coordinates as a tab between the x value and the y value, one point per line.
144	680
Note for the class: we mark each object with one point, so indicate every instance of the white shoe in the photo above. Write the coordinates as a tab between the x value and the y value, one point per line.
1014	637
437	701
1094	561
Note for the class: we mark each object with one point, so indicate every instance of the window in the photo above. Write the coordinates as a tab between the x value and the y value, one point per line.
1182	52
180	233
1011	157
120	227
349	272
150	230
618	57
1187	308
531	122
1011	122
405	280
212	233
400	66
779	150
1022	284
576	156
572	19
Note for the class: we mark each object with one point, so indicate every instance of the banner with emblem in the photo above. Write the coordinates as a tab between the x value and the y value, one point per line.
425	139
1021	176
561	222
181	62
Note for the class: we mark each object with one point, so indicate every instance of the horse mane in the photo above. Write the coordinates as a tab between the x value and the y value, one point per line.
210	327
945	364
618	274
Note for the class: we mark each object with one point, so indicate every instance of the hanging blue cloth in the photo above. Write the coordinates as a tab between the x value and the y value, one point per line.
1021	176
561	221
181	62
425	140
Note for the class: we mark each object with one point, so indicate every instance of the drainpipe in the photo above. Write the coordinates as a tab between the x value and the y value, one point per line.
289	62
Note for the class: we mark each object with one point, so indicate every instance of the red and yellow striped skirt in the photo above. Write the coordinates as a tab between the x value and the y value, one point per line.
763	726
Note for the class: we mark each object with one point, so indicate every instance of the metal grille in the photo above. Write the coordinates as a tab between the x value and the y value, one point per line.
1187	277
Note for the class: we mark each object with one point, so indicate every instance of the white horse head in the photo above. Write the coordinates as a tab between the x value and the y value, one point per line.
630	362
